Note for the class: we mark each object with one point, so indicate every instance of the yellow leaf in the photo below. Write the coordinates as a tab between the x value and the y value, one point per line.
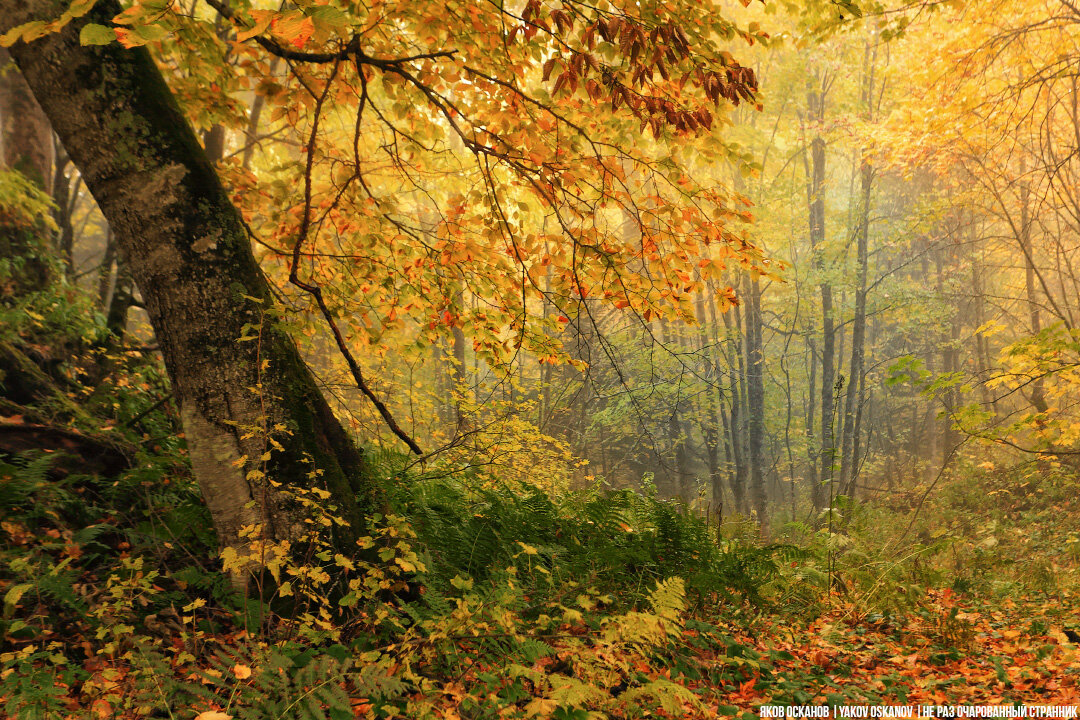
194	605
241	672
262	21
213	715
541	706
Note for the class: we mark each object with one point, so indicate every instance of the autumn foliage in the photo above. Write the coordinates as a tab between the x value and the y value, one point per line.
698	357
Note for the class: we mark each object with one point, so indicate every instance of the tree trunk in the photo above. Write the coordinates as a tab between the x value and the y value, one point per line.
737	426
188	252
1038	394
712	427
753	369
66	196
950	354
27	136
853	398
459	378
106	277
252	133
811	414
755	398
815	100
26	145
120	301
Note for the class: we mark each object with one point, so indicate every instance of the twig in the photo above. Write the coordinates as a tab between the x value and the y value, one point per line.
147	411
316	291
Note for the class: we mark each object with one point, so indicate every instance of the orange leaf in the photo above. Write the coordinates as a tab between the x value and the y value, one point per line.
294	28
127	38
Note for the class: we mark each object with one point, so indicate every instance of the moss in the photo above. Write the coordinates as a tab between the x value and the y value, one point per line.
317	432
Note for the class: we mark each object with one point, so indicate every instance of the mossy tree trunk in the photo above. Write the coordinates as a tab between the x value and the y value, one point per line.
187	250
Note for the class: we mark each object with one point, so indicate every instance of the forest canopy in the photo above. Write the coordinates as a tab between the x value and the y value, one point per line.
537	359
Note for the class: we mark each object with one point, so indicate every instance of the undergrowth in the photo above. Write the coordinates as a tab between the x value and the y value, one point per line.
472	595
115	603
112	604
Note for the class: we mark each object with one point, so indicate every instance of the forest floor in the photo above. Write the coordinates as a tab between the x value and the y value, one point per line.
985	613
492	603
986	616
951	652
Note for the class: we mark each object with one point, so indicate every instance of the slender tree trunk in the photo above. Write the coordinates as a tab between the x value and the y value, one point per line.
811	415
106	276
251	134
459	378
729	454
982	344
677	433
789	407
853	397
27	136
717	424
755	398
1038	393
856	438
950	355
120	301
737	397
188	252
816	91
65	195
26	145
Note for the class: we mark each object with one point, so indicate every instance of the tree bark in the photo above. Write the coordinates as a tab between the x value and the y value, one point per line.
27	137
1038	394
755	399
26	146
459	380
713	429
66	196
106	277
737	434
187	250
853	394
811	414
815	102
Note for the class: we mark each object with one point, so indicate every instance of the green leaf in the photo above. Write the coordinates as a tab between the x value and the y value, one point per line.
151	33
94	34
329	16
81	7
338	652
